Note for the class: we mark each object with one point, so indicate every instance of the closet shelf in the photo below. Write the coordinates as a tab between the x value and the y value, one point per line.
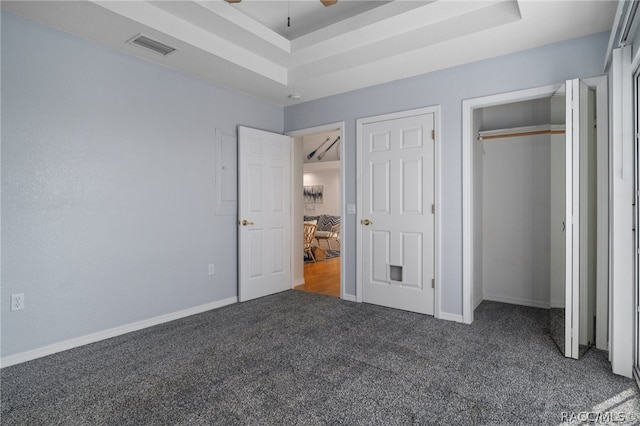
553	129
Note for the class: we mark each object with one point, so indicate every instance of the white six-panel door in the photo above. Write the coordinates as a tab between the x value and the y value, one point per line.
397	227
264	213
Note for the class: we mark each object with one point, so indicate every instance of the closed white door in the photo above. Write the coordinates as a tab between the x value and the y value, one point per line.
264	213
397	232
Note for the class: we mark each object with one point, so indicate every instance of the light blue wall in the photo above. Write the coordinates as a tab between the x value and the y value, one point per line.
583	57
108	192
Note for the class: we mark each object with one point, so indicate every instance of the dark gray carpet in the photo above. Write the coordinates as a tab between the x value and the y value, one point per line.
298	358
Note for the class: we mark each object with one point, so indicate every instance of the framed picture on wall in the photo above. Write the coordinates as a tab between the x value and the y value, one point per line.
313	194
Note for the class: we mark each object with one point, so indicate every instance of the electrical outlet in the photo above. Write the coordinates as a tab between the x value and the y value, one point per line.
212	269
17	302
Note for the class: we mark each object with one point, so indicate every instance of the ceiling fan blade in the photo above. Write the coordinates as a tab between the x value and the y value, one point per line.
233	1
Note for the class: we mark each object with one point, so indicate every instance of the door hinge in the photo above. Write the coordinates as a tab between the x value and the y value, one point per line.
433	208
433	134
433	283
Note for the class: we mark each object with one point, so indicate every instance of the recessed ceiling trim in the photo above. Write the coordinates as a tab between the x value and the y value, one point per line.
350	25
238	18
217	50
458	25
393	26
159	20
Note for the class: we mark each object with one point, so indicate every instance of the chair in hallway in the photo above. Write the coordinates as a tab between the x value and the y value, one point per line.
309	235
331	235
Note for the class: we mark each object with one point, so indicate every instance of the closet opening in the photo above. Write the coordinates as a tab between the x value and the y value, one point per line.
515	182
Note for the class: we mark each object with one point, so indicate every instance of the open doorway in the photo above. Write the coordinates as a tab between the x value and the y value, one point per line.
317	185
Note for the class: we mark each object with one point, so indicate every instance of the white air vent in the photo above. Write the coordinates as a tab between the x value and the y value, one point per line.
151	44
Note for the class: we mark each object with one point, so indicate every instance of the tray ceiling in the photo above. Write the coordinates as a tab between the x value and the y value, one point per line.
326	50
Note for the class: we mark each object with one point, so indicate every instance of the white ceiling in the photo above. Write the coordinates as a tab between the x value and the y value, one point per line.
306	16
327	50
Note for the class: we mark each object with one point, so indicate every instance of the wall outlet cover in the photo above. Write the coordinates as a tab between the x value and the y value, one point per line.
17	302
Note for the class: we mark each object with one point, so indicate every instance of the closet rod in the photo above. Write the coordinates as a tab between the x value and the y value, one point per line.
510	135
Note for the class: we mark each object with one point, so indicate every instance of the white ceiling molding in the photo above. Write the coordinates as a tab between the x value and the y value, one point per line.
243	21
156	18
384	41
454	24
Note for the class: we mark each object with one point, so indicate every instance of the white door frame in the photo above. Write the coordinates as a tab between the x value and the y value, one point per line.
636	280
360	122
468	105
344	244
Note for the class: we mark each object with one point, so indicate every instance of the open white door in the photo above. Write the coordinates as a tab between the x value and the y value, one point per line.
264	213
397	231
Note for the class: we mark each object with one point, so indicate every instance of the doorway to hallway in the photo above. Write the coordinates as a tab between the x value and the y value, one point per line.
317	199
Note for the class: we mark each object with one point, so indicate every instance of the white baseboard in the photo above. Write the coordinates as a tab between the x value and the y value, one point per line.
349	297
112	332
477	302
450	317
517	301
298	281
557	304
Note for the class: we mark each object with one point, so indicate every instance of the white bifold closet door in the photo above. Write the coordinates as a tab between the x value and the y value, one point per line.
565	315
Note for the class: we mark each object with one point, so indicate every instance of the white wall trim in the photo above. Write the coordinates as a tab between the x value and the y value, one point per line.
621	219
344	226
602	214
112	332
438	215
450	317
517	301
360	122
349	297
478	300
468	105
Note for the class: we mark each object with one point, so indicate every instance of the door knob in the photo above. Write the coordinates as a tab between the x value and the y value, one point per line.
245	222
366	222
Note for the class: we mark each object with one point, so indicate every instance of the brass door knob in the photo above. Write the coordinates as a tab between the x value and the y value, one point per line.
245	222
366	222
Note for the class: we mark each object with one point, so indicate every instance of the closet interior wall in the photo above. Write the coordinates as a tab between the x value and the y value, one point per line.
511	206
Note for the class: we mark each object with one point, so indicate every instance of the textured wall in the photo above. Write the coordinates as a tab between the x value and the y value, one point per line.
582	57
108	191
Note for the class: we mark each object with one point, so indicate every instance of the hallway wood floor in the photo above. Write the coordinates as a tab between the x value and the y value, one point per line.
322	277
